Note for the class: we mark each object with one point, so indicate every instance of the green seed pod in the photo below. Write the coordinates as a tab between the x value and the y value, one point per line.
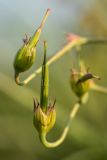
78	86
25	56
44	114
24	59
44	121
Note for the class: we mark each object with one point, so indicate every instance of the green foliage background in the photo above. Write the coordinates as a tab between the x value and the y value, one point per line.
87	138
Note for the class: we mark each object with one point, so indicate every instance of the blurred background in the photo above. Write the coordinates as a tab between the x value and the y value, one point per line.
87	138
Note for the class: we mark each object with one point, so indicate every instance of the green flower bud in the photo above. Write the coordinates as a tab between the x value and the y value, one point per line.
44	121
25	58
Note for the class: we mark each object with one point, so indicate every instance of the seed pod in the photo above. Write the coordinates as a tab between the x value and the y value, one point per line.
80	82
44	114
79	87
25	56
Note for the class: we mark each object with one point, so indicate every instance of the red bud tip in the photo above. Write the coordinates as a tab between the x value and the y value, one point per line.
71	37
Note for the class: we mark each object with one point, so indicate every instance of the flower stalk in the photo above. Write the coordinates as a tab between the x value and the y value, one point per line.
69	46
98	88
43	136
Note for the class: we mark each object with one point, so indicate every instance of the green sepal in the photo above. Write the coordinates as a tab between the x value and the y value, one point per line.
24	59
44	121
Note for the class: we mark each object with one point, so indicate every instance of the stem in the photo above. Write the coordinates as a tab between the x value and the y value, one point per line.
98	88
17	80
97	41
54	58
59	54
65	131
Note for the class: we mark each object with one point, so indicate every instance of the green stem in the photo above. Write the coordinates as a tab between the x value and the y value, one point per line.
97	41
98	88
17	80
58	55
54	58
65	131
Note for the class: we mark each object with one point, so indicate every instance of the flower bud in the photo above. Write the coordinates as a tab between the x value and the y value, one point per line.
44	121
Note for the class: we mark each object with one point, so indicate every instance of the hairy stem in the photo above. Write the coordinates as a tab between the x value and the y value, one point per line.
65	131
